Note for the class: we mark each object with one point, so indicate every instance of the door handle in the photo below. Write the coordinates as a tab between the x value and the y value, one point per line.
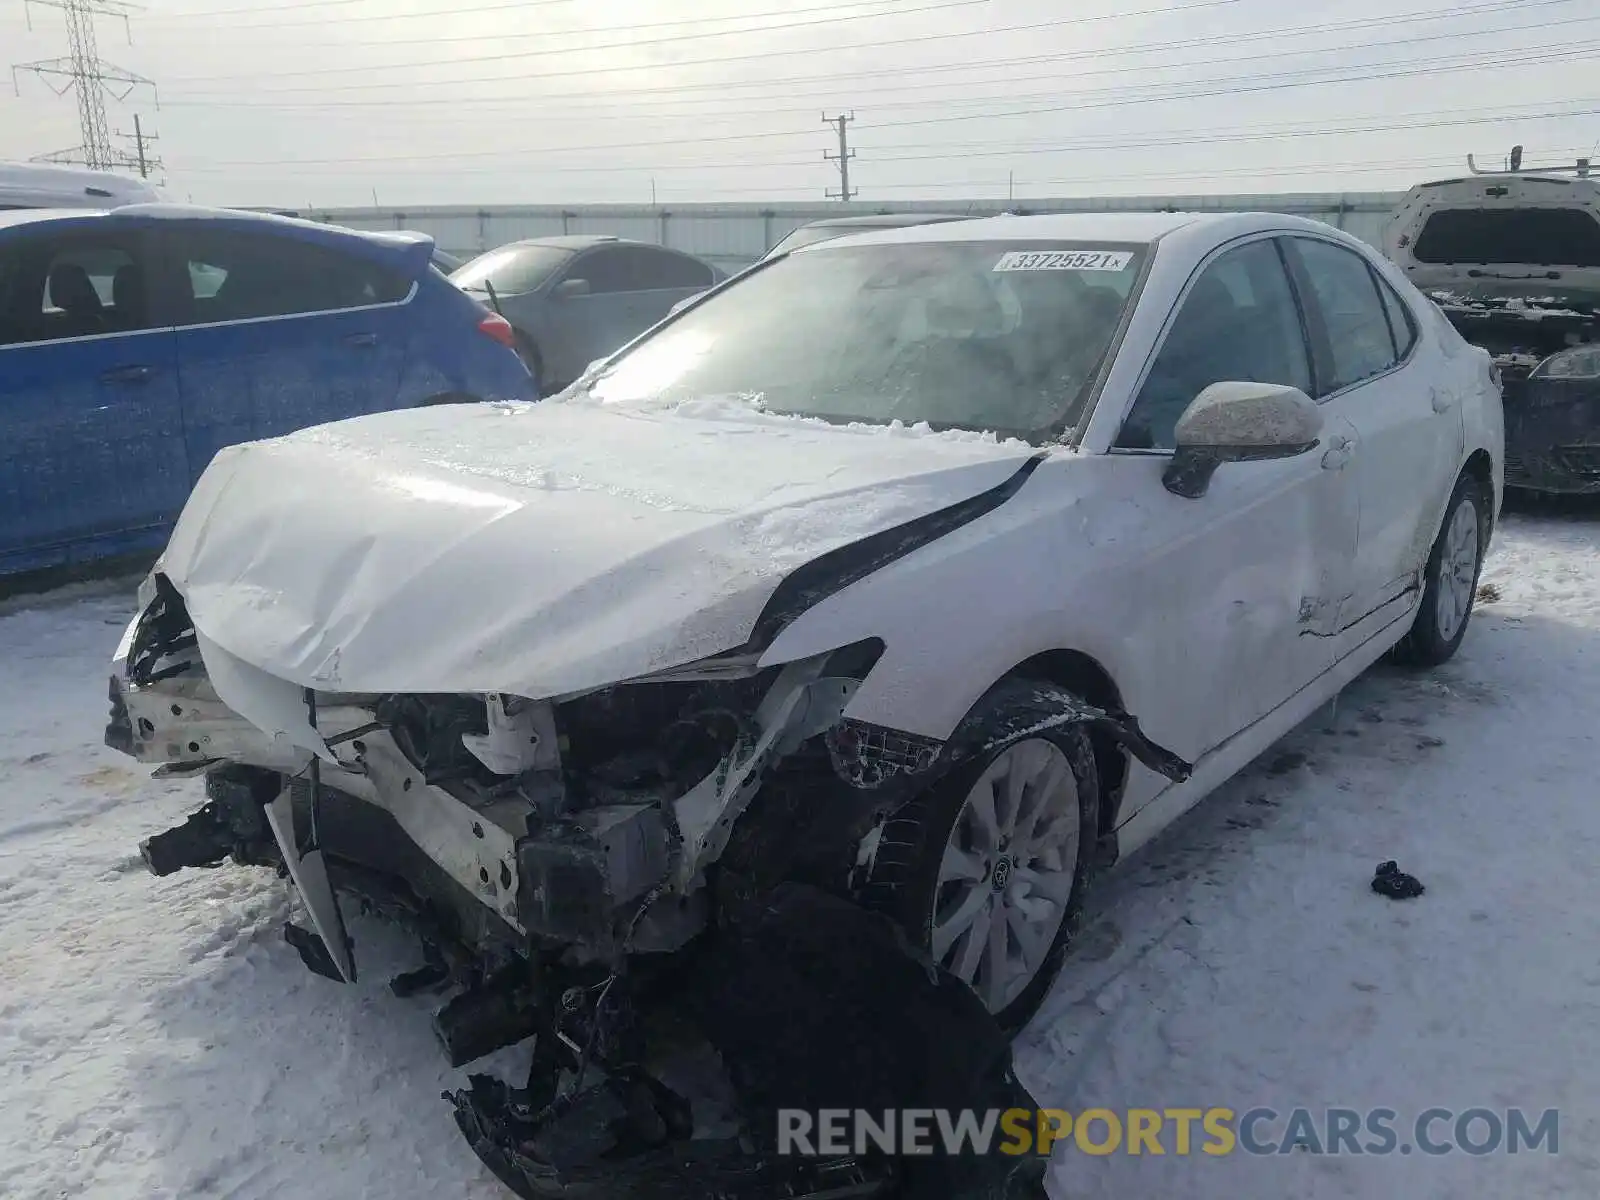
133	374
1337	454
361	339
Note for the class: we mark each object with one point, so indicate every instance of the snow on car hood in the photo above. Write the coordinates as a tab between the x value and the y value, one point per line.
536	550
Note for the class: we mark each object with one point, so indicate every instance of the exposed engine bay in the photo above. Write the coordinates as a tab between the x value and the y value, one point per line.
572	870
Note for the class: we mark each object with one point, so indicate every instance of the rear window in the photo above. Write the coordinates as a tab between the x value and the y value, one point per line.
511	270
1567	237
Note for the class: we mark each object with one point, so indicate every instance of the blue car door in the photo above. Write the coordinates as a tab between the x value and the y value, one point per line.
92	454
277	333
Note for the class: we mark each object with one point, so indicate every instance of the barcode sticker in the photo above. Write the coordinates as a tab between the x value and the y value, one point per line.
1064	260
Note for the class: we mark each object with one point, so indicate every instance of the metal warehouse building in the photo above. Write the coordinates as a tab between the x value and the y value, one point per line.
735	235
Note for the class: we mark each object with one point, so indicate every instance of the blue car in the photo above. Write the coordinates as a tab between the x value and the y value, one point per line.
136	342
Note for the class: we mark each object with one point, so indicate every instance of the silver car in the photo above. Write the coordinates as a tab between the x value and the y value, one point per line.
833	227
574	299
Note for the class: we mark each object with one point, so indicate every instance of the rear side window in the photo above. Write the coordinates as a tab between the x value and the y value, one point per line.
640	269
1354	318
73	286
1566	237
1402	325
234	276
659	270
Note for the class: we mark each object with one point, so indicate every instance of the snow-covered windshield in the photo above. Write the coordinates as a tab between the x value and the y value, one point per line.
1001	337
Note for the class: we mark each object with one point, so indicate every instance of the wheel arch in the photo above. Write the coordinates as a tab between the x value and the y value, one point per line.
1481	467
1085	677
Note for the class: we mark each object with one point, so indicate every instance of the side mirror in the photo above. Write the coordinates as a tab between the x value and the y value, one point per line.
1239	422
569	289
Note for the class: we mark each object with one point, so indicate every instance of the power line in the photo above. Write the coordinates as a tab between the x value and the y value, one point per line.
848	11
565	51
1080	181
1009	64
607	112
1103	98
1175	137
89	77
917	39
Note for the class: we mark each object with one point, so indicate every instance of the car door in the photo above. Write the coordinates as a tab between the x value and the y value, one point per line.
276	334
93	459
662	278
1245	580
597	318
1409	434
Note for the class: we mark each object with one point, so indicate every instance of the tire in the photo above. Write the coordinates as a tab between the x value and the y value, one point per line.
904	879
529	353
1450	581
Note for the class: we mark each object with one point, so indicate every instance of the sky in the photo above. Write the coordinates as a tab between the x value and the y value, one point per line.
319	103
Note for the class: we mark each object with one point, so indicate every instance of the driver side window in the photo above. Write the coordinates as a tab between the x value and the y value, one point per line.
1238	322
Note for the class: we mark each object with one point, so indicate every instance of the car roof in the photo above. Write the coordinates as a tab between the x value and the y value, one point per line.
72	186
1139	228
232	217
578	241
884	220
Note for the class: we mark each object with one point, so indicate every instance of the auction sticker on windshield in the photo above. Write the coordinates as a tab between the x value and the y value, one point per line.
1064	260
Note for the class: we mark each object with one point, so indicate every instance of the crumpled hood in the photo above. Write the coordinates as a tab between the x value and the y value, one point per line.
536	550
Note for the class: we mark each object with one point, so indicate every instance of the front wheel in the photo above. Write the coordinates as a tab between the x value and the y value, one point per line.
1450	579
987	869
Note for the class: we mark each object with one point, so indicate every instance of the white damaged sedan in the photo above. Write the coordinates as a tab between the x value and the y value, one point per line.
939	567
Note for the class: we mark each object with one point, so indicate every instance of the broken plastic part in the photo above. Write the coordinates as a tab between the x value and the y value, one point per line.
1121	727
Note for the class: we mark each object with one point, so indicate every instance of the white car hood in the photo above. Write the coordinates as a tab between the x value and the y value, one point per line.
536	550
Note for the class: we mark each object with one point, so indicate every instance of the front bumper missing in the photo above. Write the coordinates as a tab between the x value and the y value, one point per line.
582	877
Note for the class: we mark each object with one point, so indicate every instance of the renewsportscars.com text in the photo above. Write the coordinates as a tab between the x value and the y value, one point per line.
1178	1131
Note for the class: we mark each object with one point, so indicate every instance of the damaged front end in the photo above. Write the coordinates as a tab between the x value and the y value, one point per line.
573	832
574	868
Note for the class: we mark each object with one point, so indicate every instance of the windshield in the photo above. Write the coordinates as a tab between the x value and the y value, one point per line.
1545	237
1000	337
511	269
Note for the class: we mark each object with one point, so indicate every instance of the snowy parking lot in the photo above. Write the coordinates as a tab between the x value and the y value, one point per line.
159	1039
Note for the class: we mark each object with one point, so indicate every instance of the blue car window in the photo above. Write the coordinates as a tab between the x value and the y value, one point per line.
236	276
73	286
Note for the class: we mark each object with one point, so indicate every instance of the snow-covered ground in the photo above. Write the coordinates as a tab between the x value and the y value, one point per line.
158	1038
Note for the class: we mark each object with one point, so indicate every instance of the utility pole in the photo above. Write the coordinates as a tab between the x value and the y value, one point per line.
140	139
841	122
83	71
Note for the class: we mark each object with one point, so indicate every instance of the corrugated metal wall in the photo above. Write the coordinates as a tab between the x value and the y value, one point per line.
734	235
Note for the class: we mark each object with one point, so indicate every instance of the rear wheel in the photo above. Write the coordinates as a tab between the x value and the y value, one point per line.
987	869
1450	579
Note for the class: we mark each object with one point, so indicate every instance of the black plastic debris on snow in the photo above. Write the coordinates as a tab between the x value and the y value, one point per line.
1394	883
811	1003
